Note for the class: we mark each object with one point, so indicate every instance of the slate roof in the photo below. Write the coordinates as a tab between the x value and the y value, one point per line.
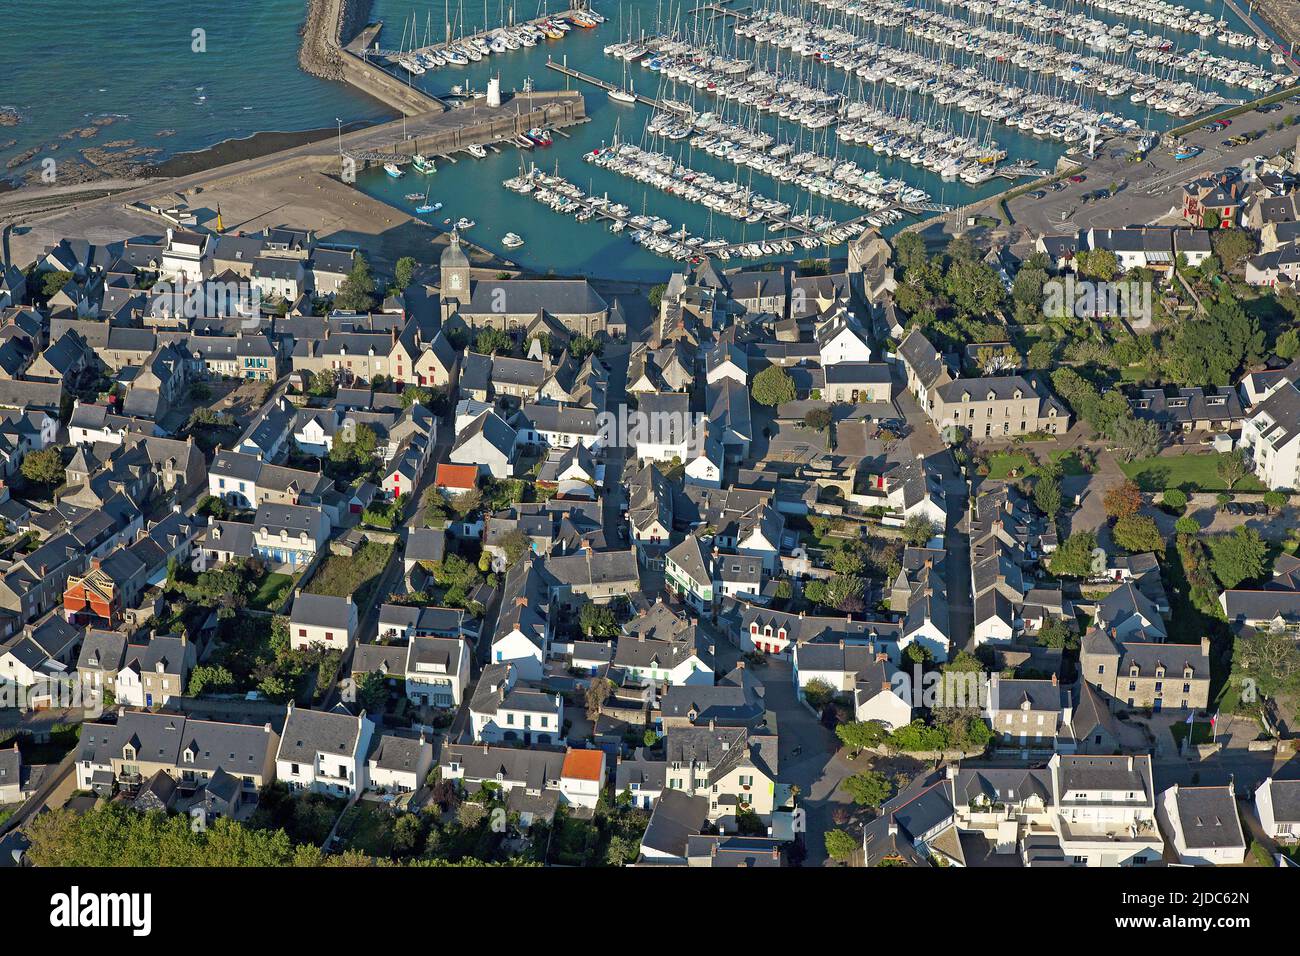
1207	817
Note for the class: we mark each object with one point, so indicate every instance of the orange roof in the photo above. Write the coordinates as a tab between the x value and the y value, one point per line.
584	765
456	476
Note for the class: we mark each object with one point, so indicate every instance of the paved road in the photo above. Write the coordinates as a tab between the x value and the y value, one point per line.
1153	184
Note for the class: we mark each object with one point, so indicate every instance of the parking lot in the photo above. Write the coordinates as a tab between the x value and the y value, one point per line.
1148	190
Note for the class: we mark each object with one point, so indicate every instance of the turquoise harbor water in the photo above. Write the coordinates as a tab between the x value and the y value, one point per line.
472	188
69	62
134	62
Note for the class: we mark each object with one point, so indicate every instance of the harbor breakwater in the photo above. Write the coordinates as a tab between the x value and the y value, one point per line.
330	25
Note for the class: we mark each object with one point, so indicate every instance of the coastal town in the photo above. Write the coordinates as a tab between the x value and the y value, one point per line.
922	534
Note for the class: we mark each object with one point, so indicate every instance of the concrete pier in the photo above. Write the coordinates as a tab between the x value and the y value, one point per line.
437	134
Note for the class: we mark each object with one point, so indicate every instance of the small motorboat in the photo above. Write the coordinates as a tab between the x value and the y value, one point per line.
393	170
512	241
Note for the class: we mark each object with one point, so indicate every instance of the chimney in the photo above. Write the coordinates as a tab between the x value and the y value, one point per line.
1130	763
776	853
266	727
841	644
713	724
929	564
740	664
486	751
1053	679
521	601
1205	646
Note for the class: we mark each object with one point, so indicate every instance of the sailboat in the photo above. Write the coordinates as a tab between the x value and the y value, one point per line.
425	206
626	94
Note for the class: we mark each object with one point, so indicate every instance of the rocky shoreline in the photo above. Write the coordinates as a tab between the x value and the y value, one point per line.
329	25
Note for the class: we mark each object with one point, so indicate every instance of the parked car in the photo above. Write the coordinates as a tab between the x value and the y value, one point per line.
1057	186
1037	194
1078	178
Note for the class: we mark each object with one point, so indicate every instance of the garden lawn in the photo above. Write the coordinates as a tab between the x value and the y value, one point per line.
1004	462
357	575
1188	472
368	827
268	596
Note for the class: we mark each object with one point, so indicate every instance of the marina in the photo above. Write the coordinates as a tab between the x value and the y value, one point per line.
809	106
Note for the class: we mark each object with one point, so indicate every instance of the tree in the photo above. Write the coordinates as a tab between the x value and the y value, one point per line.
918	653
1137	533
516	544
773	386
861	734
818	693
656	296
1175	499
1209	351
1288	344
844	592
322	384
356	293
404	272
1275	500
1122	500
1047	496
55	281
490	341
372	692
467	502
597	620
918	530
1056	633
1100	264
44	467
1231	246
818	419
1269	660
1073	559
416	395
1187	525
840	845
408	833
1135	438
598	692
1232	467
1237	556
209	677
869	788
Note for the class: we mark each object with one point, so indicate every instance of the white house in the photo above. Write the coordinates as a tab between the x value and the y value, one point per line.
398	764
487	442
322	619
856	670
503	711
1270	437
185	257
523	633
324	751
437	670
1203	825
1277	803
1104	810
583	777
841	339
